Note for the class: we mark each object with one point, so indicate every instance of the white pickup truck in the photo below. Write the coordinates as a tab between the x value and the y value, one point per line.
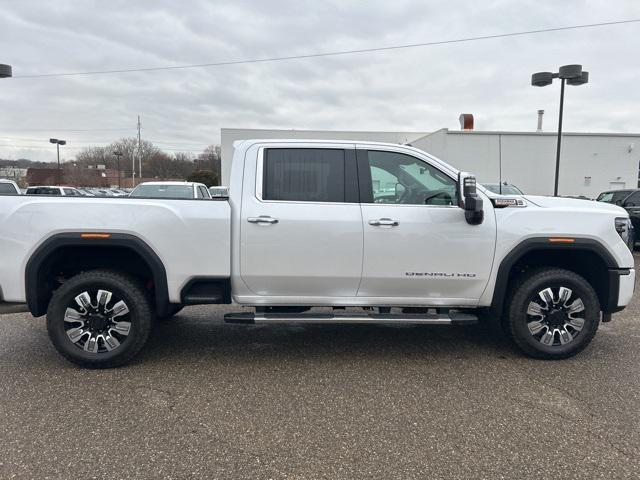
379	233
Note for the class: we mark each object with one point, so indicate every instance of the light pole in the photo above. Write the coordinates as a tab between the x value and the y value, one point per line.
118	154
573	75
5	71
58	143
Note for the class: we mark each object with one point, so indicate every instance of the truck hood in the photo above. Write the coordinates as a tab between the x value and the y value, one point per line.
575	203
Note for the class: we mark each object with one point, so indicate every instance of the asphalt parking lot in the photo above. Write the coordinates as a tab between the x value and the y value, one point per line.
208	400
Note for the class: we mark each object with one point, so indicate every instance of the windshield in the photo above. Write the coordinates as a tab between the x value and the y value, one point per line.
506	189
163	191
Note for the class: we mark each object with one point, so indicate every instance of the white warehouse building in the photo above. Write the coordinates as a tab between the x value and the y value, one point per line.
590	162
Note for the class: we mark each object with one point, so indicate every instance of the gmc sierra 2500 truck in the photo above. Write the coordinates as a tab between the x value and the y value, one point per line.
389	230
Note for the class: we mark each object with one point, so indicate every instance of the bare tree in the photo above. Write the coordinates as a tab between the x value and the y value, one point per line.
210	159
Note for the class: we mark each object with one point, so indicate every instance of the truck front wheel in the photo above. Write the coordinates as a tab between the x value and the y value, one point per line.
552	314
99	319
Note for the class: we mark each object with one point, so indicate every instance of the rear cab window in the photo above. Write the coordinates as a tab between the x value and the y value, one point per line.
43	191
7	189
202	192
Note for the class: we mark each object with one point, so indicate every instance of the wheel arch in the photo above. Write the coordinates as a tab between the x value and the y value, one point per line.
114	247
586	257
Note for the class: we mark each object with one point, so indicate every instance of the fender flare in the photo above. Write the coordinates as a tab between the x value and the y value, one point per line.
34	297
543	243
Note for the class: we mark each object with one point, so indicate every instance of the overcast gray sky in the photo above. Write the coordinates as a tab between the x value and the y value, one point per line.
419	89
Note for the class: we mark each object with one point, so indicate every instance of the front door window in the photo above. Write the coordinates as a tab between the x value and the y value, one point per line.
402	179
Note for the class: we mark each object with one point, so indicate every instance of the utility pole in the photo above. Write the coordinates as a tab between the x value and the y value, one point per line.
118	154
139	151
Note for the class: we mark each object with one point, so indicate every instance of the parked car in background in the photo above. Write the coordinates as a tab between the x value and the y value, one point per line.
102	192
219	192
9	187
117	192
171	190
504	189
616	197
60	191
629	200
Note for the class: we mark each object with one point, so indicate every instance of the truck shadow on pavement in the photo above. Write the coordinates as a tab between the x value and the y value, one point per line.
186	335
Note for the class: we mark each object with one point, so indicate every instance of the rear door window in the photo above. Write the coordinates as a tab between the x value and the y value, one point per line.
633	200
304	175
618	197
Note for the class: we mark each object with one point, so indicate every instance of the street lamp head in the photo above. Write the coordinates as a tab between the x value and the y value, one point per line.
5	71
62	142
53	140
541	79
570	71
581	80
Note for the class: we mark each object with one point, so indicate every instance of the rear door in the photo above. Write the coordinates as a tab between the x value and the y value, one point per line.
300	222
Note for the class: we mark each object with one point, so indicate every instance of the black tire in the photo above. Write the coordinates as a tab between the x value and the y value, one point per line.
173	310
519	325
138	317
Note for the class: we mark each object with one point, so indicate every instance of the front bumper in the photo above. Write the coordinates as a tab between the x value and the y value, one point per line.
627	286
621	286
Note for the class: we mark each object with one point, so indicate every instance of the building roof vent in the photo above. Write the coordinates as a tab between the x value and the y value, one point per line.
466	121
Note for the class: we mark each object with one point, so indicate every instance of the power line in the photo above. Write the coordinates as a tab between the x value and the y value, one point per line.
55	129
46	140
172	148
330	54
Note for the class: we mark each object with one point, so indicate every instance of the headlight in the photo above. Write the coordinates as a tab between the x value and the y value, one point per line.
625	230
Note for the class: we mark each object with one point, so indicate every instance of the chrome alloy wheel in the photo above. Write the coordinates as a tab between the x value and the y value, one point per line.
100	326
555	316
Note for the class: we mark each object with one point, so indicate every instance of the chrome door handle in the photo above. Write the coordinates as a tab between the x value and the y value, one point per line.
384	222
262	219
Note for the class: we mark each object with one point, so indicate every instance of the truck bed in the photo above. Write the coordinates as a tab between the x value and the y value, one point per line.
191	237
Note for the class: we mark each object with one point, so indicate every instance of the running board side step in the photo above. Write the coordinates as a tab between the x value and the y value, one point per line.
452	318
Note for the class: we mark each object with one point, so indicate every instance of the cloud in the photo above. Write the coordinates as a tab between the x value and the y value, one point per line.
418	89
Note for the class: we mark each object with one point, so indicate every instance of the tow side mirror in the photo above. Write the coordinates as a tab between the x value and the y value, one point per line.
469	200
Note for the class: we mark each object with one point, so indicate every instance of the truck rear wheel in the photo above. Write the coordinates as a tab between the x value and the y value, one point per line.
553	313
99	319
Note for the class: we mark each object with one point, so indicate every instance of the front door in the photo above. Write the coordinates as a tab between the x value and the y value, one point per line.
301	232
417	243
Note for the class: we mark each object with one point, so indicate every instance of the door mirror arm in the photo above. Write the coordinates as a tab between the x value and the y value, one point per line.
469	200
